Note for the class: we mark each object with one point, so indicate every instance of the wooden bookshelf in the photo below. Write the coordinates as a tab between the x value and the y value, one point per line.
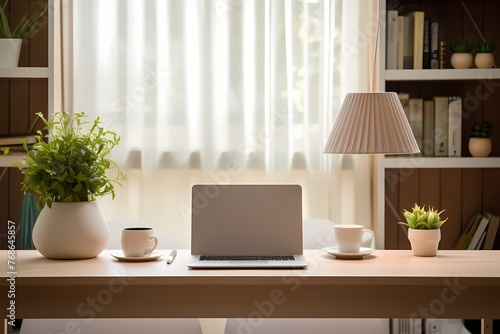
464	186
24	91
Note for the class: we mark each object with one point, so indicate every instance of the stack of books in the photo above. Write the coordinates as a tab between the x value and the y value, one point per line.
480	233
412	41
436	124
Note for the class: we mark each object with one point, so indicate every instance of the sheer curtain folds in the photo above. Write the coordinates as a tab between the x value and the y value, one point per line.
214	91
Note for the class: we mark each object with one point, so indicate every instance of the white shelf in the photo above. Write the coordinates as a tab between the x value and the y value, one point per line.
448	74
420	162
16	157
24	72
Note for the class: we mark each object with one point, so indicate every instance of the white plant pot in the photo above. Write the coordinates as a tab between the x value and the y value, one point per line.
10	49
480	147
76	230
484	60
424	242
461	60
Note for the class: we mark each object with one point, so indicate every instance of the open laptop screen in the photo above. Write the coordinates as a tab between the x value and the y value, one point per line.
246	220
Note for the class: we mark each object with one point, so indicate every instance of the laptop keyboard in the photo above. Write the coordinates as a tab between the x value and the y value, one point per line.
245	258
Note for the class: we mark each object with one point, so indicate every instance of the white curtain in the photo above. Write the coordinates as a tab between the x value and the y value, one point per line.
220	91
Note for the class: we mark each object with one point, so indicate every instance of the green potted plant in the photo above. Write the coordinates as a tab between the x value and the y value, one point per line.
68	172
424	229
11	39
461	54
484	54
480	139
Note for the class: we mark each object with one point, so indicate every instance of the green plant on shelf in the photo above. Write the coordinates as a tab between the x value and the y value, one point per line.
481	129
485	47
25	27
461	46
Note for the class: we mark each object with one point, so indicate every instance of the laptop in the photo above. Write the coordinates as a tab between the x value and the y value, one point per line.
246	226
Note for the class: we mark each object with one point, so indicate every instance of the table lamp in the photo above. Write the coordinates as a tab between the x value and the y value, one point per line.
371	123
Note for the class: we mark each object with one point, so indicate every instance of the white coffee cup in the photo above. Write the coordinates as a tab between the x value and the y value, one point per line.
138	241
349	237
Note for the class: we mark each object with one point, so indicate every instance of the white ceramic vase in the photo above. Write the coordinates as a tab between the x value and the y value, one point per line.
480	147
10	49
76	230
424	242
461	60
484	60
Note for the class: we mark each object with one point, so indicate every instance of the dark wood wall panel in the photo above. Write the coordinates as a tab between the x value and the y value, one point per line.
430	188
16	178
19	106
451	195
20	99
491	192
462	192
39	99
472	193
392	213
4	106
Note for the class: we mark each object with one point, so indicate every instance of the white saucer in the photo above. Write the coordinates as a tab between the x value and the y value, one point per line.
152	257
363	251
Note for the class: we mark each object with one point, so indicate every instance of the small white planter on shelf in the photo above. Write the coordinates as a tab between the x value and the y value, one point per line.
480	147
461	57
461	60
484	60
484	54
479	142
10	49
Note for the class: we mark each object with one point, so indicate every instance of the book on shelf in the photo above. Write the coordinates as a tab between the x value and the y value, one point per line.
404	98
401	41
442	55
441	115
491	233
466	236
416	119
428	129
407	326
478	233
408	42
481	241
392	40
434	44
426	60
454	126
436	124
418	38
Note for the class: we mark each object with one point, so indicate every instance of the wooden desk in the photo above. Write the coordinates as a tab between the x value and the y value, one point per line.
386	284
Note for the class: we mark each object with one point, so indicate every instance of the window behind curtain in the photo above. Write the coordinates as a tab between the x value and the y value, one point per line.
211	91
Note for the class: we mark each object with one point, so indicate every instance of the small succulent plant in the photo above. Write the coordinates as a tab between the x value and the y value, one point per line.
481	129
461	46
420	219
485	47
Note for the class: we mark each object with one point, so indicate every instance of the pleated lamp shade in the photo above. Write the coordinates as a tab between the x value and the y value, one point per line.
371	123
